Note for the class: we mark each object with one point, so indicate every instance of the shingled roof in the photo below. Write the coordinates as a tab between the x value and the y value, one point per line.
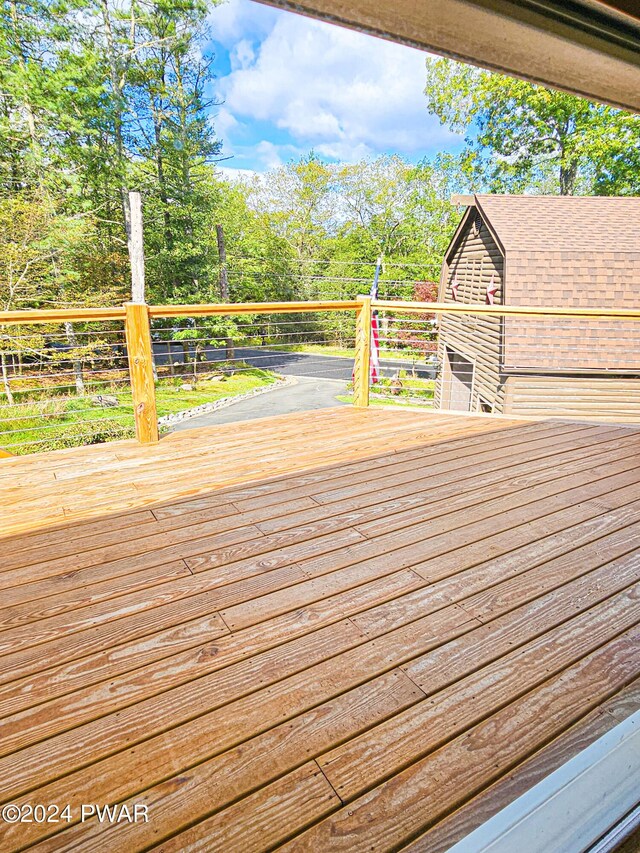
567	251
586	223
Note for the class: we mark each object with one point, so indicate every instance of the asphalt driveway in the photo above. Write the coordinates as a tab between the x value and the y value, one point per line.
291	363
305	396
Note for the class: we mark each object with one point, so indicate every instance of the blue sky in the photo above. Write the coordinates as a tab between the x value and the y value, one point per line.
290	84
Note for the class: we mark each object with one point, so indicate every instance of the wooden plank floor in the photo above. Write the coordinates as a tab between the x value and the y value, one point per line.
349	630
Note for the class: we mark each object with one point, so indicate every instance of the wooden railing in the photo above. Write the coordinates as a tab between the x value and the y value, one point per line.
503	310
137	317
87	315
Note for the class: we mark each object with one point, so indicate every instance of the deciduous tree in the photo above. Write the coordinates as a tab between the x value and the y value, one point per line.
530	138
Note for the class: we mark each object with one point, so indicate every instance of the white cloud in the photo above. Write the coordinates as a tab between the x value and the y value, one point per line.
235	19
343	93
345	151
236	175
243	54
269	154
263	155
225	121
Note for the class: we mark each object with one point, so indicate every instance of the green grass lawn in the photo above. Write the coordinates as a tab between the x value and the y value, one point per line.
170	400
388	401
413	391
315	349
62	421
343	352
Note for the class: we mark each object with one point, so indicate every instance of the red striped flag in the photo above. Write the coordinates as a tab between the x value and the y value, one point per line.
374	349
374	358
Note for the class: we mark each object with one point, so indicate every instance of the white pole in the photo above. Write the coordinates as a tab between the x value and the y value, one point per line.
136	259
136	248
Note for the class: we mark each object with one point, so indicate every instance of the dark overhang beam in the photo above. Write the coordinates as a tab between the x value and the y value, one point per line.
587	47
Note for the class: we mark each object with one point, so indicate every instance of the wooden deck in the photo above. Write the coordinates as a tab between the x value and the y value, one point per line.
349	630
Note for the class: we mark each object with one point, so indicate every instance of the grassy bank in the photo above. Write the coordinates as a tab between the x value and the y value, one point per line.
54	422
315	349
410	391
344	352
388	401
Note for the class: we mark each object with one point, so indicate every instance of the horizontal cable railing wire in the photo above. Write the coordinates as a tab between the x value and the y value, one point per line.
199	355
504	310
532	361
406	370
65	375
246	350
63	385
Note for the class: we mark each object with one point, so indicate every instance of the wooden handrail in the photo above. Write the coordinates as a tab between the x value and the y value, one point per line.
61	315
251	308
136	318
73	315
502	310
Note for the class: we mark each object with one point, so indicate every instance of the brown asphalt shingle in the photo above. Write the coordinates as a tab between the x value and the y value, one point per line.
568	251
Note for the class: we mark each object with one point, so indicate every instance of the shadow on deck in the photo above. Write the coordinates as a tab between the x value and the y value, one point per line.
350	630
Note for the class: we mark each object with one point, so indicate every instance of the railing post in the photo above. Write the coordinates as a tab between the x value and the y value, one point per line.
143	389
362	369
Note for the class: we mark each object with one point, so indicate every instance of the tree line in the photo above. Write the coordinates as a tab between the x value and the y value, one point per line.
98	97
522	137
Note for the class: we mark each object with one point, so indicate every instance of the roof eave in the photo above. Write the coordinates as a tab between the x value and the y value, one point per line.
491	229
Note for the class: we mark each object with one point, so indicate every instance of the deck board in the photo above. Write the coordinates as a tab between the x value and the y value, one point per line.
525	775
297	632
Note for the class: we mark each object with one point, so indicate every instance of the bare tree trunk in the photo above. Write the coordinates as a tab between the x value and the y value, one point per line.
230	353
72	340
222	254
568	177
126	212
26	103
184	137
5	378
568	164
224	282
157	105
162	184
117	76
